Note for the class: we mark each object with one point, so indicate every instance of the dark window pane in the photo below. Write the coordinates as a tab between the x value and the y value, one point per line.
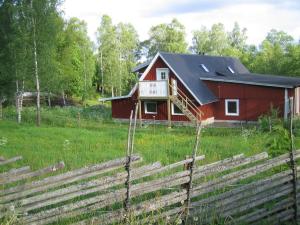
151	107
232	107
177	110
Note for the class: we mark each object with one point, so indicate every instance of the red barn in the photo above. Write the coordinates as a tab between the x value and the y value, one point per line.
187	87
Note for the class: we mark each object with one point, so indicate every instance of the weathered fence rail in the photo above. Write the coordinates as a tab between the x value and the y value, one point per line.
243	189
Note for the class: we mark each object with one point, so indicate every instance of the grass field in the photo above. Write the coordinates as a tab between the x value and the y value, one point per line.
96	138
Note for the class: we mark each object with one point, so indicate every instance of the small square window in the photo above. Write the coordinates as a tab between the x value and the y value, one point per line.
162	73
176	110
150	107
232	107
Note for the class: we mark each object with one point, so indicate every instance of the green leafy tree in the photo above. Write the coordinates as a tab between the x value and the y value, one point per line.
76	60
118	47
166	37
212	42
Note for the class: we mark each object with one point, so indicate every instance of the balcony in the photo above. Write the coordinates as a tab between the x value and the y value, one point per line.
153	89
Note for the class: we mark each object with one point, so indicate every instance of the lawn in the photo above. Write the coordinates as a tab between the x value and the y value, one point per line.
95	138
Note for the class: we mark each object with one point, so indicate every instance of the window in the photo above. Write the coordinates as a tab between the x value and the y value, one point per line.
230	69
162	73
150	107
204	68
176	110
232	107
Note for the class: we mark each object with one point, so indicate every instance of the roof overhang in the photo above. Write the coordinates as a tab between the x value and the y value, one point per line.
246	82
113	98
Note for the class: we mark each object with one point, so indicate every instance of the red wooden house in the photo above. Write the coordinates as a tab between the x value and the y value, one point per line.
187	87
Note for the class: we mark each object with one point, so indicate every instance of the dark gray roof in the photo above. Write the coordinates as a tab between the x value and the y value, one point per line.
255	79
188	68
141	66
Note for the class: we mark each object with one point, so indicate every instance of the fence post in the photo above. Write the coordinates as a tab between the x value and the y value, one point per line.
293	161
190	167
130	145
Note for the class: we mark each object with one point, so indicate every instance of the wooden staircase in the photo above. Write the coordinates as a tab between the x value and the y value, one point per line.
186	105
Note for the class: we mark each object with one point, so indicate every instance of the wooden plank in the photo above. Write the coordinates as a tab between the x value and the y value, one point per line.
11	179
259	200
15	172
145	207
227	164
248	189
259	214
272	181
110	198
11	160
66	178
60	195
251	203
233	177
278	218
236	201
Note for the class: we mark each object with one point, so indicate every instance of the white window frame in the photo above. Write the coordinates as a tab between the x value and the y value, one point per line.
158	73
173	111
237	101
146	108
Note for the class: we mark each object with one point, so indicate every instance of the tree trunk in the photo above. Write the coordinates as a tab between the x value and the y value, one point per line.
19	109
112	92
38	106
102	85
63	97
17	100
49	99
85	82
1	112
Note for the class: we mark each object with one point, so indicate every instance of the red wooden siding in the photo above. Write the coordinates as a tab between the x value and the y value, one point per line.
253	100
121	108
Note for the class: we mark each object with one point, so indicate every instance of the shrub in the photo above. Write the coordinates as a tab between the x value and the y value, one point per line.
278	140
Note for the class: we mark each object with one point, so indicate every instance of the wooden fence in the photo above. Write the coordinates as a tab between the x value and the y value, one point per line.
239	189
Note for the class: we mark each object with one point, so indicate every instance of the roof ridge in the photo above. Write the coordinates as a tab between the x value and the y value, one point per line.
194	54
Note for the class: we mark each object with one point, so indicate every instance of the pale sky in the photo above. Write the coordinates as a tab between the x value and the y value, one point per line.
258	16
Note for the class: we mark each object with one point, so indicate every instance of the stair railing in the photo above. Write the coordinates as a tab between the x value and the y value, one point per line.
186	102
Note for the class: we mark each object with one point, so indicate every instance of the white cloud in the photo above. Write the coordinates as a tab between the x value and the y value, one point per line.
257	17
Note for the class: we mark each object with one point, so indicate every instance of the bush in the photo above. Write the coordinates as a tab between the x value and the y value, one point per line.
278	140
267	122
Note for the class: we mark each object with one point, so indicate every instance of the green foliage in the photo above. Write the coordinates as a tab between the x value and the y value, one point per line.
267	122
274	131
118	45
278	140
168	37
75	60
